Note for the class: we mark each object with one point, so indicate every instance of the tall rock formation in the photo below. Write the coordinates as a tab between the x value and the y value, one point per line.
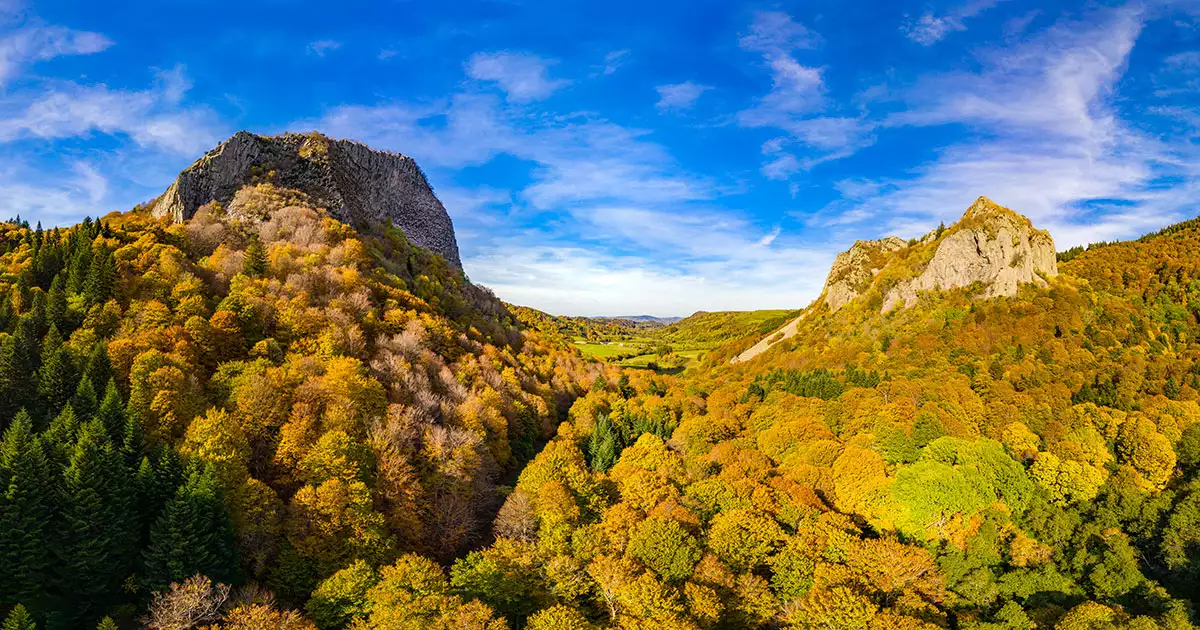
356	184
854	269
991	245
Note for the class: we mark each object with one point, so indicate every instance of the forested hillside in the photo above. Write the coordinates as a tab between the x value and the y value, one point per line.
287	423
1014	462
253	402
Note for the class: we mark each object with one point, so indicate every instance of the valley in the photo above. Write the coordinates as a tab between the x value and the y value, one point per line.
257	414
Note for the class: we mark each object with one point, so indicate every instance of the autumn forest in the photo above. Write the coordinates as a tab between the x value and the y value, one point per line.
286	421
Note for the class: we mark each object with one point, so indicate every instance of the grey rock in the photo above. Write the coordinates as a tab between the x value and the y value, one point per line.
854	270
354	183
991	245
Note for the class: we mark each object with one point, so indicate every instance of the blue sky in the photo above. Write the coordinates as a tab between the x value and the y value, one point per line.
634	157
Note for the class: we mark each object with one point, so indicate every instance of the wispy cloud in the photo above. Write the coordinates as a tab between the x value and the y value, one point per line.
775	33
35	42
523	77
614	60
59	199
603	196
575	280
796	103
679	96
322	47
1051	142
796	88
151	117
930	28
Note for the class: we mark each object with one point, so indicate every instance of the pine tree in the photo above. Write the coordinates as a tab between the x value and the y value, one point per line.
56	303
602	450
112	416
133	440
56	379
98	534
84	401
100	278
19	619
77	271
61	435
37	313
17	366
192	535
256	258
148	498
99	367
107	624
26	515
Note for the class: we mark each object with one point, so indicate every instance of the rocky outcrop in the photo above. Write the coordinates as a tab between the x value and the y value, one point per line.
356	184
990	245
854	270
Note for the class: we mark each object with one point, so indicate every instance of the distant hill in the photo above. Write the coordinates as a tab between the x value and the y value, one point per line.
716	328
645	319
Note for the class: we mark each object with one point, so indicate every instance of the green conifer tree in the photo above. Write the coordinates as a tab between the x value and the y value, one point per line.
56	379
17	366
56	303
192	535
100	278
602	450
112	415
99	367
133	440
256	258
60	436
19	619
84	401
98	534
26	515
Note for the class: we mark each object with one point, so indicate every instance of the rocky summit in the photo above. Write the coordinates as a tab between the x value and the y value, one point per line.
854	269
356	184
990	245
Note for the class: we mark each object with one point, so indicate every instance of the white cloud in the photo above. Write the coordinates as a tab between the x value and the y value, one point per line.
57	200
522	76
1050	142
609	191
577	158
574	280
679	96
33	43
796	88
151	118
796	103
930	28
614	60
775	33
322	47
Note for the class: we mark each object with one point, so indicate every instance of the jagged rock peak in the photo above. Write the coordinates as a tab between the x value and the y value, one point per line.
854	269
990	244
356	184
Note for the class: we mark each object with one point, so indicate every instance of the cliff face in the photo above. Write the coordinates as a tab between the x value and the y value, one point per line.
356	184
854	269
991	245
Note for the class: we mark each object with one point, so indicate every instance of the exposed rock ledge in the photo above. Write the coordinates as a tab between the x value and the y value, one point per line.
991	245
355	183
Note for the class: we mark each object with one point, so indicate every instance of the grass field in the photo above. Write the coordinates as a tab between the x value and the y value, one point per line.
606	350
